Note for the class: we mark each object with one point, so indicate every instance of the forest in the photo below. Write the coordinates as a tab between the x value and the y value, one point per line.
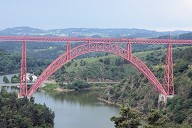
23	113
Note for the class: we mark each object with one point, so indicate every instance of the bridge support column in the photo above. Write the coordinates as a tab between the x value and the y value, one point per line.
129	50
68	48
23	72
168	71
162	100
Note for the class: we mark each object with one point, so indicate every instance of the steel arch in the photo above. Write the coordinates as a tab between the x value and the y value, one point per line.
97	47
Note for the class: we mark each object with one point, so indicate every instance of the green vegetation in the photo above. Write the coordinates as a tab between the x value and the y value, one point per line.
139	94
134	91
74	86
50	87
156	119
10	62
127	119
110	68
77	85
160	119
15	79
22	113
5	79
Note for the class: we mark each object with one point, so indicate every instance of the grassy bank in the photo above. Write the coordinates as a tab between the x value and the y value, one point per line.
50	87
59	89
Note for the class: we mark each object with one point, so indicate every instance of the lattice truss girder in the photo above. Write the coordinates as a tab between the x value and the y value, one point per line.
23	72
168	82
95	47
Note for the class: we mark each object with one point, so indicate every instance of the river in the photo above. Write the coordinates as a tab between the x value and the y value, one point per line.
78	109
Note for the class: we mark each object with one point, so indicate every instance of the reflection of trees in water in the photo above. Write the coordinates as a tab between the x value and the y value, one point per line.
82	97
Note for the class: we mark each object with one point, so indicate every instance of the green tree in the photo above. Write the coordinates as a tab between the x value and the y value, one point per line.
185	125
15	79
77	85
5	79
119	62
189	74
181	65
21	113
157	118
82	63
127	119
107	61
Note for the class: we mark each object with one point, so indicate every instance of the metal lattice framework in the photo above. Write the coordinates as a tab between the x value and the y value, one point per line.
95	40
23	71
168	71
97	45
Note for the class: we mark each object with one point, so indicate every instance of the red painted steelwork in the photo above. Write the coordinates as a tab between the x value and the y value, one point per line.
129	50
68	47
95	47
23	72
93	40
168	72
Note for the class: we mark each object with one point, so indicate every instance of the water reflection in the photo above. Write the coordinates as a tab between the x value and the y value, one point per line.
81	97
78	109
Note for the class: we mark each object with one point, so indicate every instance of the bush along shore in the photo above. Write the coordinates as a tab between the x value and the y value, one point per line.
75	86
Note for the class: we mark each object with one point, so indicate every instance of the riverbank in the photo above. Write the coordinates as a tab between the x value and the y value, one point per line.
54	88
58	89
73	90
109	102
119	105
143	117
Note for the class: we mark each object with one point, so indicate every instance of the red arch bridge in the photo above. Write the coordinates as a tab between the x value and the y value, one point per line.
98	45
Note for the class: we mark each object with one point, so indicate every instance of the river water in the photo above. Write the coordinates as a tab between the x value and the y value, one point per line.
78	109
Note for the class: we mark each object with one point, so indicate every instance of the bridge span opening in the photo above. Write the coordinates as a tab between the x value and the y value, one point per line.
99	45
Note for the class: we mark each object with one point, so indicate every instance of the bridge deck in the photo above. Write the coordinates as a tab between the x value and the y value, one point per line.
94	40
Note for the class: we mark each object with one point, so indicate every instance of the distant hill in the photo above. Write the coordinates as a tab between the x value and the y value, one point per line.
50	51
187	36
90	32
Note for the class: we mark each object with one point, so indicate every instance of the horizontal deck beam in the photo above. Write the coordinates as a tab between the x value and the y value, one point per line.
92	40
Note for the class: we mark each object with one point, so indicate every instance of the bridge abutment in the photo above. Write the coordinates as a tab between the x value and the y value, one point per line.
162	100
20	96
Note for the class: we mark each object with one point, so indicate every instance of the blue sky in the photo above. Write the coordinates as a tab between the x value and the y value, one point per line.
50	14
